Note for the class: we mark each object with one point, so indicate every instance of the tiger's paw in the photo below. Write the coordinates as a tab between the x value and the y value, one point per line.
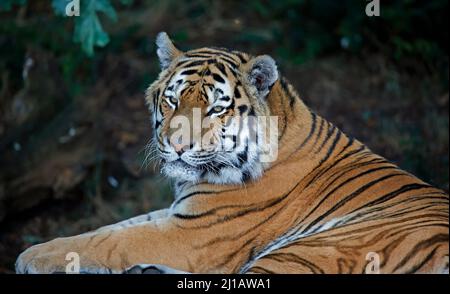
57	256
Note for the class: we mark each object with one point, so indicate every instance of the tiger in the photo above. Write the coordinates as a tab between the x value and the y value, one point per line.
323	203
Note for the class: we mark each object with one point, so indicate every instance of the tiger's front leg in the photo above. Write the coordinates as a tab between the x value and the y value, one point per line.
111	251
157	214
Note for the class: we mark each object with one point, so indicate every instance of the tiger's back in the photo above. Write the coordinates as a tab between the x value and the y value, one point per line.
359	213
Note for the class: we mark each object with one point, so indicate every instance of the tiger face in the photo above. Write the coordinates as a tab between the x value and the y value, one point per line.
205	106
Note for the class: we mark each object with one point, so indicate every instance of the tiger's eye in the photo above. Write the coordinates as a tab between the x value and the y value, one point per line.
173	100
217	109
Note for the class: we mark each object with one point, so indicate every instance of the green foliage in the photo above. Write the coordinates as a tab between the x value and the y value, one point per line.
296	30
88	29
306	29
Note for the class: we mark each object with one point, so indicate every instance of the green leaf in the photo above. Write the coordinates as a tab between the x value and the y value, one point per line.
88	29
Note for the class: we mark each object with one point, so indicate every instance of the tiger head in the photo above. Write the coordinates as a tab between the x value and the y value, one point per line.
204	107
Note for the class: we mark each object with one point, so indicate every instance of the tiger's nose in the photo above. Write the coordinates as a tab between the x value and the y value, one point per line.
181	147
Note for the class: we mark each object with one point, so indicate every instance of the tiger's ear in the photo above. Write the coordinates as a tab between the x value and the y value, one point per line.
262	73
166	50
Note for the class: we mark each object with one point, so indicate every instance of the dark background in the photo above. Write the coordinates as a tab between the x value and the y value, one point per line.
74	126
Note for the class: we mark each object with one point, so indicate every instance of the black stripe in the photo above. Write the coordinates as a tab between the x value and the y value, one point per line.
242	108
350	142
221	67
284	118
237	94
230	257
155	99
182	62
196	55
285	87
343	184
188	72
318	175
290	257
160	141
311	131
363	229
348	198
240	56
233	72
260	270
218	78
179	200
191	216
160	108
221	54
195	63
331	129
234	237
205	72
184	91
423	262
267	204
332	147
440	238
322	122
351	167
211	54
391	195
231	63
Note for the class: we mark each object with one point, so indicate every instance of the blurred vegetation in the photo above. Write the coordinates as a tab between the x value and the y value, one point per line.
73	124
409	30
